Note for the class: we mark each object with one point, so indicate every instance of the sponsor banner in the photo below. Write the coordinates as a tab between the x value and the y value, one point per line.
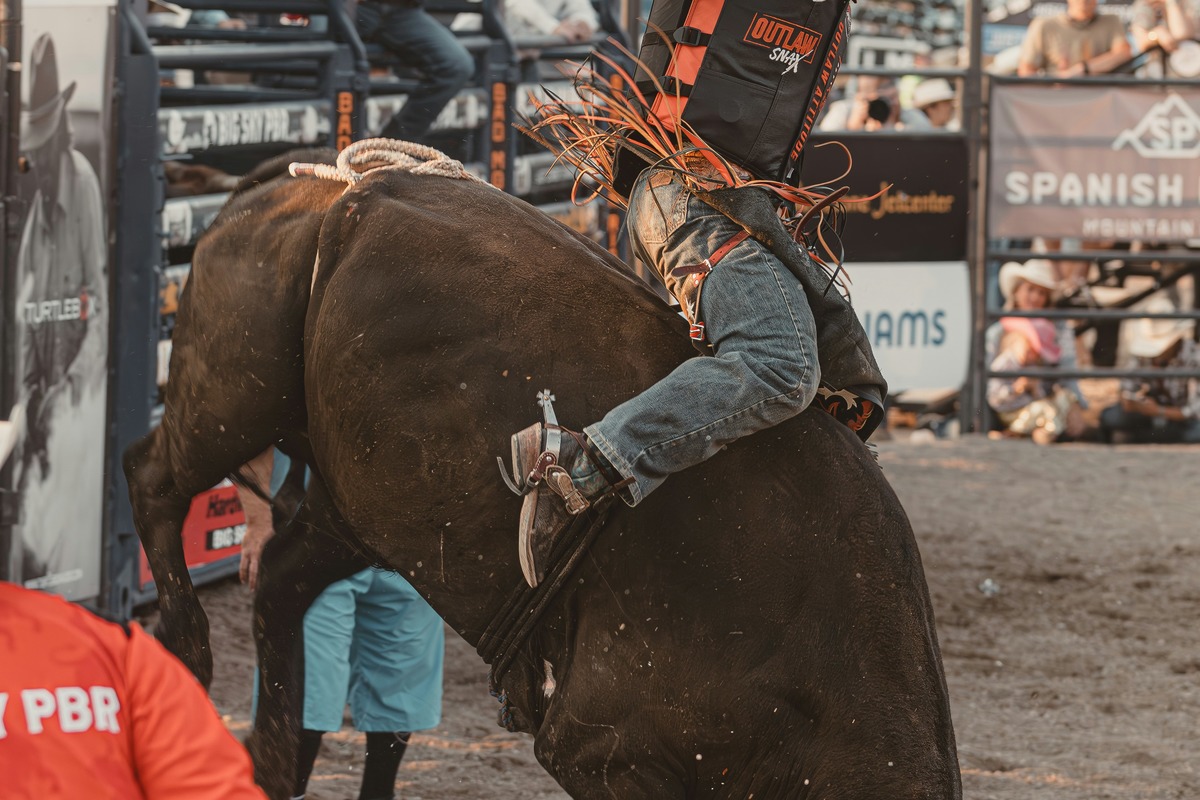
213	530
60	310
185	218
1095	163
189	130
918	320
467	110
540	171
921	217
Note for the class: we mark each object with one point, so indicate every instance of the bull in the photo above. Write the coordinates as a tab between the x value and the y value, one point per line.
758	627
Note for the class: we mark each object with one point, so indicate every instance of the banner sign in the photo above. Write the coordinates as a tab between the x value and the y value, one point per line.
1095	163
918	320
190	130
61	308
921	217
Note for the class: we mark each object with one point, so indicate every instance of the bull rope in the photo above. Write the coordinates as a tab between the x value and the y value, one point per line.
371	155
363	157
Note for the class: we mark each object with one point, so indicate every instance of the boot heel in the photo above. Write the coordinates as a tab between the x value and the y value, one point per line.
526	447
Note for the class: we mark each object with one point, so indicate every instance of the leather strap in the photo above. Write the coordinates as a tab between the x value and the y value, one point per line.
670	86
688	36
706	266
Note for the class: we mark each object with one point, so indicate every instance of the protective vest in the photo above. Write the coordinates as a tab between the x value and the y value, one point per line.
749	76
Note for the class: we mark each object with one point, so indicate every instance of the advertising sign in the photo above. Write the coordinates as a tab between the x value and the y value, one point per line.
1095	162
188	130
918	319
61	305
922	213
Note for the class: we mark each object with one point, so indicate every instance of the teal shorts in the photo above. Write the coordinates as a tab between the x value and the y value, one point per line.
373	642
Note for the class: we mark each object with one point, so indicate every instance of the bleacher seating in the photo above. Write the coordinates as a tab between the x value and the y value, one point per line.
298	73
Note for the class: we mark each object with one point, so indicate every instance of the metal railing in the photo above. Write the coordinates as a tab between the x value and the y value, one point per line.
1075	306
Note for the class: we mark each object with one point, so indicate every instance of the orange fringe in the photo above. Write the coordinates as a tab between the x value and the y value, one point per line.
585	133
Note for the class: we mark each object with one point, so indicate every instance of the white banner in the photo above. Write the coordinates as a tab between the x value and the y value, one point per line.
918	319
61	307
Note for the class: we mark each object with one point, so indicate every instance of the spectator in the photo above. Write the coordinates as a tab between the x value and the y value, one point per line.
1162	23
573	20
90	708
370	640
420	41
935	99
1165	410
1031	287
875	106
1030	406
1079	42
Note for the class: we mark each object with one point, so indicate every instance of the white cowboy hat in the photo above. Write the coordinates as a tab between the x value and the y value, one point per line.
931	91
1185	61
1037	271
1153	337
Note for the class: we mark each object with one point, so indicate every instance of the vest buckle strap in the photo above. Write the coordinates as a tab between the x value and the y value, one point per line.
670	85
687	36
691	37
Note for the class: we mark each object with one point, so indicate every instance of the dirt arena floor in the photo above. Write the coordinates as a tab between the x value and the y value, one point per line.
1066	583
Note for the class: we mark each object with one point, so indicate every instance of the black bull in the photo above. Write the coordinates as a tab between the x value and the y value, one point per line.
758	627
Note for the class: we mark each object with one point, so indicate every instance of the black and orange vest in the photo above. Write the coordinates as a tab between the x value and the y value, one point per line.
749	76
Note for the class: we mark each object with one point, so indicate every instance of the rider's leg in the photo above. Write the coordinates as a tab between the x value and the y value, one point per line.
764	368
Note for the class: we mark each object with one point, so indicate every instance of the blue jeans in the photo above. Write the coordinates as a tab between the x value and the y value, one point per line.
764	365
420	41
1146	430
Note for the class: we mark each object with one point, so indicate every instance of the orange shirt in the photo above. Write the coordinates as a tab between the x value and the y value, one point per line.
89	710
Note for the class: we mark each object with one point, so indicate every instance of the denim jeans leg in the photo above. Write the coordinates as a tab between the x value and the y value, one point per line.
764	369
420	40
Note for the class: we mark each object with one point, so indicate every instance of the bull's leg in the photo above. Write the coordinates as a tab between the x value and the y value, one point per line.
159	508
296	568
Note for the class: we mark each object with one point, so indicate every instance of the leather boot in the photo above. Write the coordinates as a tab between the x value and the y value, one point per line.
564	486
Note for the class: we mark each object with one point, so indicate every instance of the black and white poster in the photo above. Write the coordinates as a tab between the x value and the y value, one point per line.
61	303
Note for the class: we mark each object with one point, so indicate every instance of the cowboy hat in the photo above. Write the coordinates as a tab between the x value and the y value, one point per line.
46	102
933	90
1185	61
1040	333
1037	271
1153	337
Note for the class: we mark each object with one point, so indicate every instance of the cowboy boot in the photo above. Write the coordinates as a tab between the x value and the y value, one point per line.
564	485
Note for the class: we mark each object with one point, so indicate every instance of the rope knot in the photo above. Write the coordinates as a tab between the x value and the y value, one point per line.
369	155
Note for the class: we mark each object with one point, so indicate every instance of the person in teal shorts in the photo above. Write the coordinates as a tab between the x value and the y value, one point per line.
370	641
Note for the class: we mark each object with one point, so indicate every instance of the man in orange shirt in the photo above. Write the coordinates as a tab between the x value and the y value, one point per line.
91	708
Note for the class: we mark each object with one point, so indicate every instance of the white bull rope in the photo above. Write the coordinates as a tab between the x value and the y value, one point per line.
354	162
384	154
